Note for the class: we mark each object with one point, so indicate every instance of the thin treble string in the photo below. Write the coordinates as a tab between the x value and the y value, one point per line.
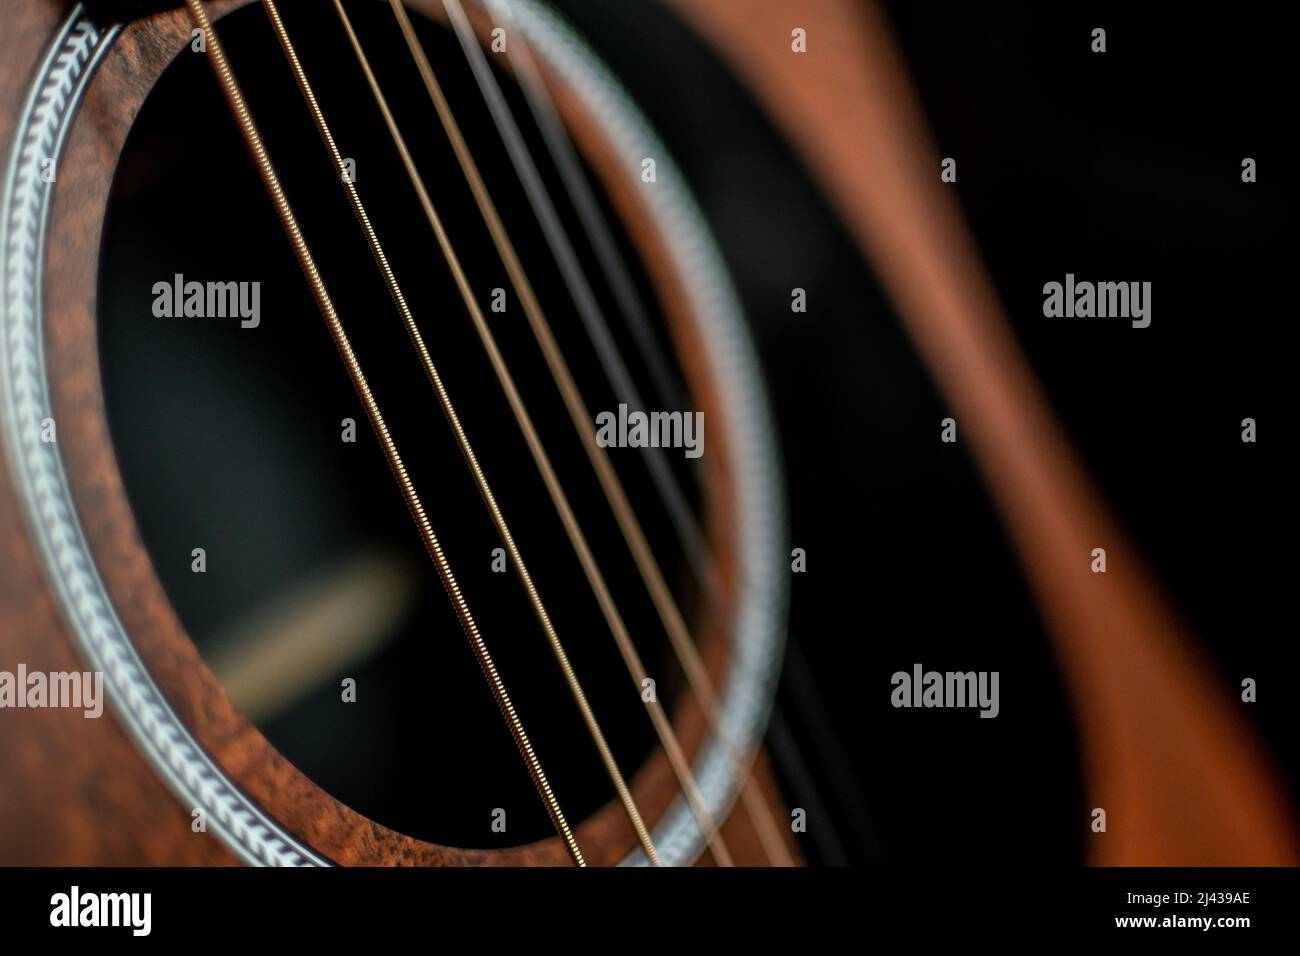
684	646
560	147
471	460
632	660
253	140
575	280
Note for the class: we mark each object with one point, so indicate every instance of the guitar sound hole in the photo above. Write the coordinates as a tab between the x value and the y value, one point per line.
230	433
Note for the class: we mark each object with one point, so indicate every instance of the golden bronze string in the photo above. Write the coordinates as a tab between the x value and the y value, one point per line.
467	451
684	646
252	138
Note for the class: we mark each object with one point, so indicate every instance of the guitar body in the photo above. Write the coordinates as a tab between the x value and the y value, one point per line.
191	766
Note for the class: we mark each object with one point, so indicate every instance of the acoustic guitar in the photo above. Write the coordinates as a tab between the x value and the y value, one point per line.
397	470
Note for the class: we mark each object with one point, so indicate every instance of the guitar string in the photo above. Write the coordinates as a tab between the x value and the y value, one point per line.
560	148
754	800
669	389
453	419
270	179
575	280
663	727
